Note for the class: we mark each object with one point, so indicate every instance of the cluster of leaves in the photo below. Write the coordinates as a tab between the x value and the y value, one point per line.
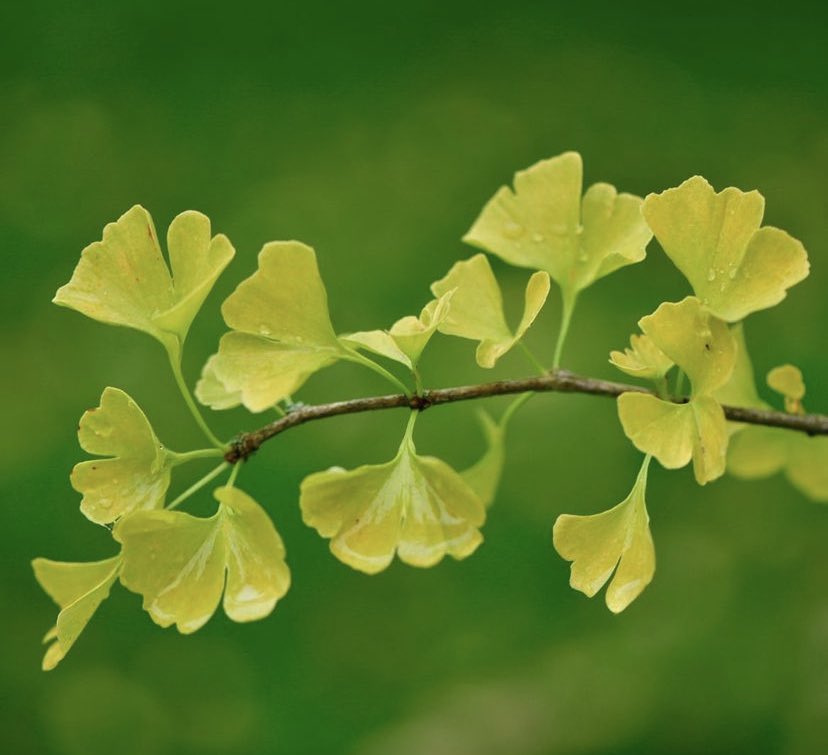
417	507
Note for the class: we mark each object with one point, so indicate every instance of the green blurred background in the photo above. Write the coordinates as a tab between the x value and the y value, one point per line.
375	132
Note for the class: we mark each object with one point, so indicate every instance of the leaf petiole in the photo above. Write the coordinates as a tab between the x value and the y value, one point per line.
532	359
175	365
202	453
568	302
196	486
355	356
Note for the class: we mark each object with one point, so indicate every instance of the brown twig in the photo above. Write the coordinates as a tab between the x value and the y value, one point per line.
560	381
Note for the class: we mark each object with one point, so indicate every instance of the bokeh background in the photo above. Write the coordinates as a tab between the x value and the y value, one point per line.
375	132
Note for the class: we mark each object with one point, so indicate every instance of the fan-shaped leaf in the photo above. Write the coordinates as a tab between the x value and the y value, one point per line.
177	562
476	309
734	266
545	225
617	540
137	474
415	506
124	280
281	332
78	588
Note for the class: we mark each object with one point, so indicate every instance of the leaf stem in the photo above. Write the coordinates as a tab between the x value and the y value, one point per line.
355	356
175	364
556	381
531	358
234	473
514	406
568	302
679	389
195	487
201	453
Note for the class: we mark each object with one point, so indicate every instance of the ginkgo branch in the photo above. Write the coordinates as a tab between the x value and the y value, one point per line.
559	381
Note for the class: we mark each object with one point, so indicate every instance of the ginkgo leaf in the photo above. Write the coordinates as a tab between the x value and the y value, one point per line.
677	433
545	225
699	343
483	476
258	371
177	562
643	359
617	540
281	331
787	380
756	452
405	341
415	506
740	389
78	588
137	474
124	280
734	266
476	309
703	346
211	392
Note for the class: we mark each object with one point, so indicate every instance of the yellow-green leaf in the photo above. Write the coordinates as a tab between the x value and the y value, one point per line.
211	392
124	280
137	474
545	225
740	389
617	540
787	380
758	452
476	308
281	331
699	343
258	371
177	562
407	337
676	433
483	476
78	588
643	359
755	451
702	346
734	266
415	506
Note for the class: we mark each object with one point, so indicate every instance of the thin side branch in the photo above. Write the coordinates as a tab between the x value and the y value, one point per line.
559	381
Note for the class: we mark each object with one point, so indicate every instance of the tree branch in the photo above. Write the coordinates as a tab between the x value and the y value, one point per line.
560	381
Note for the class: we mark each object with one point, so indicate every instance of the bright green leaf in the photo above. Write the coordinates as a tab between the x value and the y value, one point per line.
124	280
476	309
408	337
177	562
138	473
78	588
643	359
617	540
734	266
544	224
415	506
483	476
281	332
